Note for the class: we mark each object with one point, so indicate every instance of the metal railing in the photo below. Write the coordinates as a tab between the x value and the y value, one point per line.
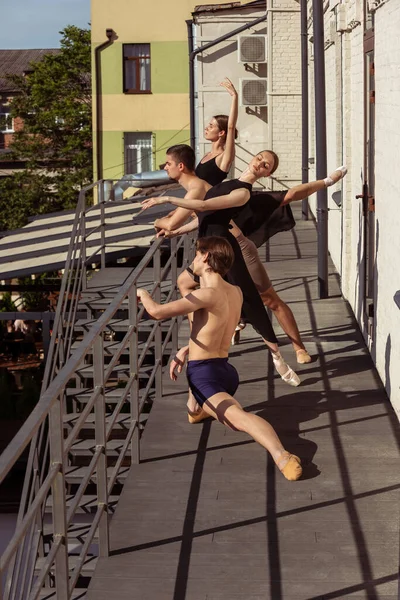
32	559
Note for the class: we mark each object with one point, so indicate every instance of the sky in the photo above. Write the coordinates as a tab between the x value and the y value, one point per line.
36	23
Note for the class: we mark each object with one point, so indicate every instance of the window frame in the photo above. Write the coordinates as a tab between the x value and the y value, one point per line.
136	60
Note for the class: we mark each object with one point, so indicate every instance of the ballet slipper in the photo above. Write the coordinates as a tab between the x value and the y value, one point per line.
236	336
302	356
197	417
286	372
292	468
336	176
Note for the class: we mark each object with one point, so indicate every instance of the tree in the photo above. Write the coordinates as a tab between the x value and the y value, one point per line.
54	102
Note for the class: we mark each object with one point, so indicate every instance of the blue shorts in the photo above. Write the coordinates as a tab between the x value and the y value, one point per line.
211	376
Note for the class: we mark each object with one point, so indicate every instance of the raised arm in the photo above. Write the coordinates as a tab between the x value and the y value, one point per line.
201	298
225	160
235	198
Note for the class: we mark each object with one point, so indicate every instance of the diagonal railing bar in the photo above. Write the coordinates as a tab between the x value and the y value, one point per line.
46	469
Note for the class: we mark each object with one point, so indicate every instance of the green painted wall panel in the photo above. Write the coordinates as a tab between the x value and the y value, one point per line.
169	68
113	149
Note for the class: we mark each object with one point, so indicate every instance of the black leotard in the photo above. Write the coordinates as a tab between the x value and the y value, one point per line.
217	223
263	216
209	171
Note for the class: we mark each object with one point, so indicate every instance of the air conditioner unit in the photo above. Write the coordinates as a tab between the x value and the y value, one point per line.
253	92
252	48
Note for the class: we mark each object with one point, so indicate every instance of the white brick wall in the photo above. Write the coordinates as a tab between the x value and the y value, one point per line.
344	63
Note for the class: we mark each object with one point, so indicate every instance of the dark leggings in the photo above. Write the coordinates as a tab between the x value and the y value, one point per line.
253	308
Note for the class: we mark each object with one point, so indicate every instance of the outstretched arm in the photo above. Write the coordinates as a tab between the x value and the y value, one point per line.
225	160
235	198
173	220
299	192
201	298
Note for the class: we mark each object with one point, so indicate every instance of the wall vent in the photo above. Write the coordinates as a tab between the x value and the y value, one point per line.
253	92
252	48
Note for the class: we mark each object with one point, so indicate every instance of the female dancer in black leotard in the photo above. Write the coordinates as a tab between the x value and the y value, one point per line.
221	132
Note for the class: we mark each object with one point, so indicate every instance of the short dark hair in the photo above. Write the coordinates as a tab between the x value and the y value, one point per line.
276	160
220	254
184	154
222	121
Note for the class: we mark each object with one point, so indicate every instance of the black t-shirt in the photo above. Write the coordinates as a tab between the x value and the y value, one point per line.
209	171
216	222
263	216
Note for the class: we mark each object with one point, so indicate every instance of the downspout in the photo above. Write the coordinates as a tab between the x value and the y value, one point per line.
193	52
320	146
304	104
270	88
189	25
99	102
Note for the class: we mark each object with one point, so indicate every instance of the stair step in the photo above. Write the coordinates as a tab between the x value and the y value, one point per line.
111	348
75	474
118	324
88	566
88	447
76	531
87	505
51	594
123	420
120	371
82	395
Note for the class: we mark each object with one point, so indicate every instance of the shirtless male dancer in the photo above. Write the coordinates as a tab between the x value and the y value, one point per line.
216	308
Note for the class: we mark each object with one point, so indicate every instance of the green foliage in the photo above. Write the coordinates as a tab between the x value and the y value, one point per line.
6	303
55	142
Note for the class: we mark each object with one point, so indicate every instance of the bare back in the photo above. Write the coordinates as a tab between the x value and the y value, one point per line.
213	327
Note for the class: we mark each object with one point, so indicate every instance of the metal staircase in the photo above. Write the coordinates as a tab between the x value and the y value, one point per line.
102	375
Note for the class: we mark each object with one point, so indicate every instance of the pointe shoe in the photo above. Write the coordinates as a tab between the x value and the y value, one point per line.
236	336
292	469
302	356
197	417
336	176
288	376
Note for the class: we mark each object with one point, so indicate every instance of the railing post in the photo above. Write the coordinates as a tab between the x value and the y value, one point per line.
133	372
174	295
158	334
100	431
102	226
56	433
83	238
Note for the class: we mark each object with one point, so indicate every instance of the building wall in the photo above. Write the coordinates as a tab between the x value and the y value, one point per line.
344	63
164	112
276	126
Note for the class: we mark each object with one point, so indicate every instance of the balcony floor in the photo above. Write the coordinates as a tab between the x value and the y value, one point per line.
207	516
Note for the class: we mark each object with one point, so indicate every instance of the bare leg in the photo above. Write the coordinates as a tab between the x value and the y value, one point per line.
228	411
287	321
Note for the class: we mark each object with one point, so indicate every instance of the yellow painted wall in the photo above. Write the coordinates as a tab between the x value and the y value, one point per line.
145	112
141	21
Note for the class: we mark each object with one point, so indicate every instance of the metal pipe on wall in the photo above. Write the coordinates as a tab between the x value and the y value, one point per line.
99	103
320	143
304	104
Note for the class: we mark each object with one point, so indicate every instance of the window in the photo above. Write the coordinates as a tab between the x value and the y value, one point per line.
6	121
137	69
138	151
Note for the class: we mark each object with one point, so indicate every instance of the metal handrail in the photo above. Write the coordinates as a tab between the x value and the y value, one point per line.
45	428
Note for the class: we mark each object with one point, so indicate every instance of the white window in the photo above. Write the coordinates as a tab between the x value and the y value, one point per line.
6	121
138	151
